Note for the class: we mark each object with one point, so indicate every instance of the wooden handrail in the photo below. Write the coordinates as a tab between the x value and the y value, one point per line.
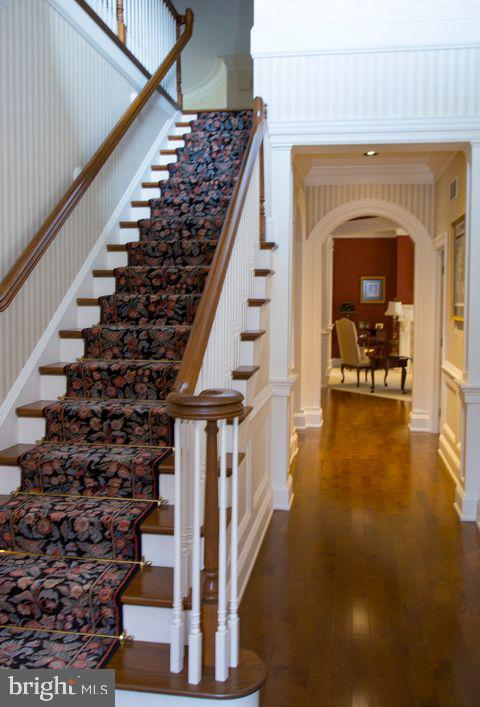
31	255
197	341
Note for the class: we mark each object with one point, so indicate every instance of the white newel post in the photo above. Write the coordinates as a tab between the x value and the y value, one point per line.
279	230
467	499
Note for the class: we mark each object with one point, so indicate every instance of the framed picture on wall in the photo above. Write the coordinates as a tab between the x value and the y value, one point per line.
372	289
457	249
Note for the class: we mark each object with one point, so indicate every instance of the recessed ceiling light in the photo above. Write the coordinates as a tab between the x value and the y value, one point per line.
370	153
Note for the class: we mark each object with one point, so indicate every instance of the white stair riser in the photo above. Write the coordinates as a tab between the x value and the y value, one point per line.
259	288
30	429
71	349
52	387
158	549
128	235
151	193
247	388
87	316
250	352
149	623
166	159
182	131
175	144
264	259
155	175
138	212
253	317
10	477
103	286
117	260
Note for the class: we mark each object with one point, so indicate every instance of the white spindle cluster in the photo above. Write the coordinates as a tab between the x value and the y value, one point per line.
151	32
222	356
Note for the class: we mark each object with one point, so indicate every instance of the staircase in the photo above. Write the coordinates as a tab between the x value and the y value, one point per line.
89	538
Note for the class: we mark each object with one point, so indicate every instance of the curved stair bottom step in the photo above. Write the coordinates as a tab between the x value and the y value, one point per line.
143	679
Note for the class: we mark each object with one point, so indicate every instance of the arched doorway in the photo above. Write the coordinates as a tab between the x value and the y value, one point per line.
315	298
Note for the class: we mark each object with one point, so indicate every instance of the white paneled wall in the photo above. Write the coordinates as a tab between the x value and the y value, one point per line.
417	198
370	85
60	98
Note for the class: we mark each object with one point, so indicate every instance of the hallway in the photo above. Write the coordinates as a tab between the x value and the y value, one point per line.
367	594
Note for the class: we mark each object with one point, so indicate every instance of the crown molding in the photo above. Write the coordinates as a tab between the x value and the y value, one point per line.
369	174
330	37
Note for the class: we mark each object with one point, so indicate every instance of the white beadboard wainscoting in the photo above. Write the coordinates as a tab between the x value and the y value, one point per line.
390	85
60	98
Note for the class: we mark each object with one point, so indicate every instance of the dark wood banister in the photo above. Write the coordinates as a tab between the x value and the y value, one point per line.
18	274
202	325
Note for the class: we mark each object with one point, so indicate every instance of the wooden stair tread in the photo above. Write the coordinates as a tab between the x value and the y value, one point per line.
168	152
9	456
140	204
70	334
87	301
152	586
244	372
103	273
175	137
268	245
145	667
53	369
150	185
263	272
128	224
182	125
116	247
159	521
159	168
257	302
34	409
251	335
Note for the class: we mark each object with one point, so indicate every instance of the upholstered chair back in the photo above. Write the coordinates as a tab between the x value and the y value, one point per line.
347	336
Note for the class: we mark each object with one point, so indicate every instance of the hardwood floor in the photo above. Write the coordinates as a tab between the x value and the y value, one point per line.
367	594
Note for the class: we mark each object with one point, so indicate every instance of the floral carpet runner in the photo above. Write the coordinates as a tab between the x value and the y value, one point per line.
70	537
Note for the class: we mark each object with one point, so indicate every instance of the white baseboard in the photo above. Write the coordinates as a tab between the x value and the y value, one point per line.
420	421
27	386
283	495
308	418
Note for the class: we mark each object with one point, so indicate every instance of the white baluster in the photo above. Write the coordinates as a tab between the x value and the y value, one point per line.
221	636
195	636
177	638
233	620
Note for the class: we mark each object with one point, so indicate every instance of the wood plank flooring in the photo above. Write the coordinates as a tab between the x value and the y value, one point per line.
367	594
